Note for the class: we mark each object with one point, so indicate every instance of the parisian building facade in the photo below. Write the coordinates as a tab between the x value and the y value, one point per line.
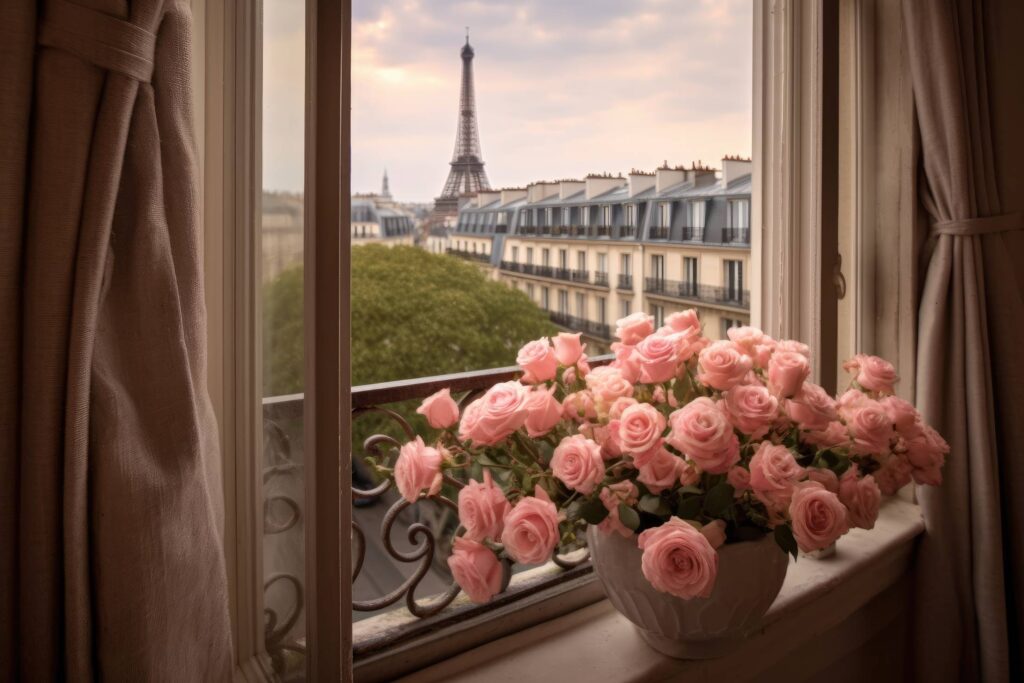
594	250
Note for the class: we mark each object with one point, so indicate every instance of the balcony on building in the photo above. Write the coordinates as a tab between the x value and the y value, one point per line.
694	291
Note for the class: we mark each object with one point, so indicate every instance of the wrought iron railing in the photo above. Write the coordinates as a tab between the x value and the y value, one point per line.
601	278
625	282
410	540
659	233
577	324
736	235
709	294
469	255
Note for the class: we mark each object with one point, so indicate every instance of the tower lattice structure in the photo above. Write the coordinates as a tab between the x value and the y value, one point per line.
467	166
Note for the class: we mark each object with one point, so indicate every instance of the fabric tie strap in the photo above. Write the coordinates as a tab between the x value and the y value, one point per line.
981	226
101	39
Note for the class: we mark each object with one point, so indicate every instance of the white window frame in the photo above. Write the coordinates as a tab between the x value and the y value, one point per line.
664	214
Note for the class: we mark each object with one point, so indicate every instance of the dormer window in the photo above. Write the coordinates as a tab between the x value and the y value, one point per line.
665	215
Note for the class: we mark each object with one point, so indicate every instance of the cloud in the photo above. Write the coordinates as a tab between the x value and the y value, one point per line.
562	88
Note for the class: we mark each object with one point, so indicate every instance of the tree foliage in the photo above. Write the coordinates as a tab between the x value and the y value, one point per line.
413	314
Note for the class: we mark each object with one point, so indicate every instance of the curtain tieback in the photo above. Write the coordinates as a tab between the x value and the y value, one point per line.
981	226
101	39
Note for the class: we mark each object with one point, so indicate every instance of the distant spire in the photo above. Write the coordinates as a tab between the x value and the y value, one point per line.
385	192
467	35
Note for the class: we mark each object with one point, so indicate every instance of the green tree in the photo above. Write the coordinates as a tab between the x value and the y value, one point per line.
414	314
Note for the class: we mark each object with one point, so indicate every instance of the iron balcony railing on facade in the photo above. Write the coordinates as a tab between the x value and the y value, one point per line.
580	276
603	230
469	255
601	278
578	324
563	274
625	282
627	231
694	291
545	229
559	230
736	236
501	229
659	233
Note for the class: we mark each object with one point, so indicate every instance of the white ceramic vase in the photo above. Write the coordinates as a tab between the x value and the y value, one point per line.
750	575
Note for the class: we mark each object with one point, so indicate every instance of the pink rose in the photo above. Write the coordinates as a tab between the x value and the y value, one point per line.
751	408
826	478
739	479
578	464
794	346
927	453
607	384
440	410
538	361
850	402
476	569
684	321
787	371
611	496
640	430
482	509
531	529
543	411
582	365
568	348
894	474
773	472
903	415
819	517
702	432
871	427
812	408
661	471
619	406
569	376
470	420
835	434
872	373
626	362
604	435
418	468
752	342
657	356
579	406
633	328
722	366
502	411
862	498
714	531
679	560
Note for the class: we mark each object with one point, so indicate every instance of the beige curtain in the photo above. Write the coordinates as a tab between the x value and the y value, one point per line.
111	564
967	65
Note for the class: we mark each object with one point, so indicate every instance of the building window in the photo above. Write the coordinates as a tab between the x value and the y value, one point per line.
658	270
524	217
658	313
606	215
515	254
563	301
545	298
728	323
739	213
545	257
626	265
581	261
581	305
584	215
565	216
698	213
689	285
630	215
529	255
563	259
625	307
602	310
665	215
734	280
530	290
602	263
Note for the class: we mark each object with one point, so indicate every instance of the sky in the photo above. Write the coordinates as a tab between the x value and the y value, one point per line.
563	88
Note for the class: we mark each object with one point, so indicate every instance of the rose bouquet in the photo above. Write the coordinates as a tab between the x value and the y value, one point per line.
680	442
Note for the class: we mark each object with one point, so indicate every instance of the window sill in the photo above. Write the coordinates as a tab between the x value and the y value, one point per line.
597	643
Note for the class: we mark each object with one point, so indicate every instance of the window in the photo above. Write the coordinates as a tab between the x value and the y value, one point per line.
626	265
739	213
581	305
688	287
563	259
515	254
658	313
606	215
625	307
602	310
581	261
549	219
630	215
734	280
602	262
563	301
658	270
545	257
565	216
584	216
529	255
530	290
665	215
545	298
698	213
524	218
729	323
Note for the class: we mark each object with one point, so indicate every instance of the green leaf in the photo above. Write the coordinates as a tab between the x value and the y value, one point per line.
628	516
691	489
593	511
654	504
719	499
689	507
784	537
527	482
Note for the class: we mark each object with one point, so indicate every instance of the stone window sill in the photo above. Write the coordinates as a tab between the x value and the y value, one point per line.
596	643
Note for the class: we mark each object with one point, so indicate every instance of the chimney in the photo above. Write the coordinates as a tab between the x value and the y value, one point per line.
537	192
567	188
665	177
485	197
599	184
511	194
734	167
639	182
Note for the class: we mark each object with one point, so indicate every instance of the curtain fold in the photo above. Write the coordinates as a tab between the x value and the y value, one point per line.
966	59
113	565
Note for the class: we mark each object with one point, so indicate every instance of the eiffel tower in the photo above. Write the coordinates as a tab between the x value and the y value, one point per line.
467	172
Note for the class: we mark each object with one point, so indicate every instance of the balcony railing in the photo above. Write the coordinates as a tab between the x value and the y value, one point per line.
659	233
692	233
580	276
577	324
736	236
625	282
559	230
627	231
603	230
601	278
711	294
469	255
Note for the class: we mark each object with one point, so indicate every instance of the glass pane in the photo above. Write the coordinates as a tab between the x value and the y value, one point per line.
281	240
